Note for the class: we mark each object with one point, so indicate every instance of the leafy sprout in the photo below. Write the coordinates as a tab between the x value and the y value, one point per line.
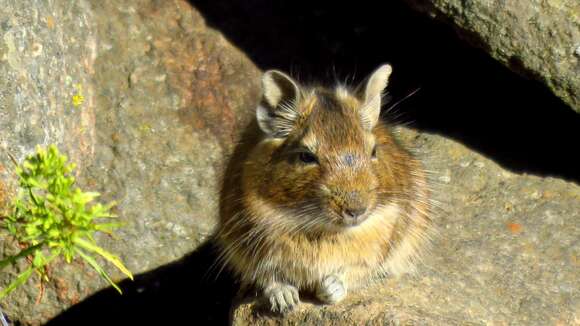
51	218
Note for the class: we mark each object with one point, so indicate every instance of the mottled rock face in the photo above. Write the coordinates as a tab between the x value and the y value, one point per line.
540	39
163	98
47	56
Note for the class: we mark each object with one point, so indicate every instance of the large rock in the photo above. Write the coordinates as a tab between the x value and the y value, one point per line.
507	254
540	39
163	98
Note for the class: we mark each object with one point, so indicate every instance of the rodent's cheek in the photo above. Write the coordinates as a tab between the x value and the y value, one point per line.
330	204
325	191
373	189
289	185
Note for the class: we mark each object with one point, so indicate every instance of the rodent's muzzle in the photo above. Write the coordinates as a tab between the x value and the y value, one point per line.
354	216
351	208
350	196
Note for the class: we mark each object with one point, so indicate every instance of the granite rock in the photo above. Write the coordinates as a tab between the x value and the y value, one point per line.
163	97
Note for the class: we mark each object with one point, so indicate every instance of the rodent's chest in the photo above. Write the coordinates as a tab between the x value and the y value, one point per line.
368	244
331	253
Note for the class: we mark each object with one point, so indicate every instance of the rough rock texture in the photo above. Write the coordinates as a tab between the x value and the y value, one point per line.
508	254
540	39
47	55
163	97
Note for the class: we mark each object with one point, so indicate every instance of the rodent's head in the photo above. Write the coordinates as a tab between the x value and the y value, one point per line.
321	153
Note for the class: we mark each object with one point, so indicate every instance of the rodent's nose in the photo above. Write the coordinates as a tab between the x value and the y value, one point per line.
353	213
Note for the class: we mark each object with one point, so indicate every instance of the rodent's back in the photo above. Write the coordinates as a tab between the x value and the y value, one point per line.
322	187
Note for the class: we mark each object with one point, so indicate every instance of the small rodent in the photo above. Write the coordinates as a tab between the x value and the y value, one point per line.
322	197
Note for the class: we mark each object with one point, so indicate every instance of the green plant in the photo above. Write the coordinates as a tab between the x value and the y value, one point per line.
51	218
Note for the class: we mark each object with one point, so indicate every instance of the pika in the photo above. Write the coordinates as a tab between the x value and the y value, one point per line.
322	198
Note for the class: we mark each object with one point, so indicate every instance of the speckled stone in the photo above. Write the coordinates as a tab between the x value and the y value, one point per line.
163	99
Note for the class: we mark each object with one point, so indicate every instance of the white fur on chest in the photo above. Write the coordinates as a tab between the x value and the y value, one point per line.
296	258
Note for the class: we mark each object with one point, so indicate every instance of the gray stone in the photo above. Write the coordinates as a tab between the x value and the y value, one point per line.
163	99
536	38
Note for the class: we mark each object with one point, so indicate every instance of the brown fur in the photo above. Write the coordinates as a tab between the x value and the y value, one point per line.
280	217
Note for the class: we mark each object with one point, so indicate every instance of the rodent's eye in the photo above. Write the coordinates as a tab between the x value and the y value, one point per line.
307	157
374	153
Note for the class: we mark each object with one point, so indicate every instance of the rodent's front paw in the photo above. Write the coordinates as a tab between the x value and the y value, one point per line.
282	297
331	290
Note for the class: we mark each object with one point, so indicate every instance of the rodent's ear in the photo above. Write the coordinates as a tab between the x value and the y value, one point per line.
278	110
373	91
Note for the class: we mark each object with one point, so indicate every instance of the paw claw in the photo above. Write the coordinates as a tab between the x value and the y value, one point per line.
331	290
282	297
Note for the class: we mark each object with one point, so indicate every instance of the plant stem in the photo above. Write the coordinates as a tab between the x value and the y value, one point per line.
32	196
12	159
23	253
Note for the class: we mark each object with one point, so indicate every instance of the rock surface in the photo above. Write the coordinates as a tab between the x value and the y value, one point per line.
507	254
163	98
540	39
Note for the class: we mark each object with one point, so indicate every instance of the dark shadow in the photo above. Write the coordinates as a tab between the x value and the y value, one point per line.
465	95
185	292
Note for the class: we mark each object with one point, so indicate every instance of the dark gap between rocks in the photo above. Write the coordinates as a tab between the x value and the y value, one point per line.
465	94
185	292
